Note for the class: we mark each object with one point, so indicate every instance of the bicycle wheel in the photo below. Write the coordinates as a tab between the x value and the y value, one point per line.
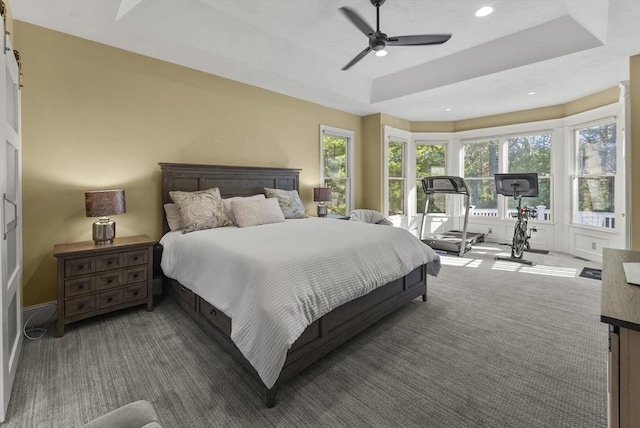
517	246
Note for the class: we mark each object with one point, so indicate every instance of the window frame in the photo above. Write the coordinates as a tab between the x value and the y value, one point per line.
349	135
413	198
396	136
575	176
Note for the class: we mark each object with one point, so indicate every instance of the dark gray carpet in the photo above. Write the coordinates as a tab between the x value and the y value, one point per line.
491	348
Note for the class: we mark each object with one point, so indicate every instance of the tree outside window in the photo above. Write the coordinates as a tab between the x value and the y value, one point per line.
480	164
335	171
595	176
430	162
396	178
532	154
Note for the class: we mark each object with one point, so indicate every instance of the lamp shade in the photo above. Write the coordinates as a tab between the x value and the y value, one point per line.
103	203
322	194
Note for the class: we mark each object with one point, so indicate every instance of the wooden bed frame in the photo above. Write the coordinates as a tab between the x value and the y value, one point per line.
326	333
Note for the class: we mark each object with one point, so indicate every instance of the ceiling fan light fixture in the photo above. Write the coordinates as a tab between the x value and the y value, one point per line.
381	52
484	11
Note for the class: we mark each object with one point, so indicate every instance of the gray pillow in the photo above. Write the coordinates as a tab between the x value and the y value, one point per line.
201	210
289	201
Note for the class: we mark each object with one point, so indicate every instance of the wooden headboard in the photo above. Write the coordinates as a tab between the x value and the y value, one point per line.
231	180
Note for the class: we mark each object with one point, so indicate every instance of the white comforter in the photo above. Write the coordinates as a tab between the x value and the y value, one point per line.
274	280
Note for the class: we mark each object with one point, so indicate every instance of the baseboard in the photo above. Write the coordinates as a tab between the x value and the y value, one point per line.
47	312
39	314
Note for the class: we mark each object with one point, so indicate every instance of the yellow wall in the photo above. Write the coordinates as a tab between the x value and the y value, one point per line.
97	117
634	182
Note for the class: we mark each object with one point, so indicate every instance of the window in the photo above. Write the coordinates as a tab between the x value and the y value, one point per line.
430	161
532	153
335	158
396	178
594	181
481	161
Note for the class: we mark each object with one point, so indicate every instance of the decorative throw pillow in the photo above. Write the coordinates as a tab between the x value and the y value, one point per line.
255	212
289	201
201	210
227	204
172	213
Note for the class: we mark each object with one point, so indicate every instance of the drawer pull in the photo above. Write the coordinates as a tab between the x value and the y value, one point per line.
80	266
110	262
109	299
135	275
135	293
80	287
109	281
184	290
213	312
135	259
81	306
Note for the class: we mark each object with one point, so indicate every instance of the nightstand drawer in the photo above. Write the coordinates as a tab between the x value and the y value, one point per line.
133	258
135	292
215	317
108	262
81	266
108	298
109	280
79	305
75	287
133	275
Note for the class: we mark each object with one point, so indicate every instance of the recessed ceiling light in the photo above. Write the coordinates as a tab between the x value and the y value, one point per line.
381	53
484	11
531	93
447	109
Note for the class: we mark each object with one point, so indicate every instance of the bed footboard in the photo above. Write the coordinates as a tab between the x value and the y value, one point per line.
322	336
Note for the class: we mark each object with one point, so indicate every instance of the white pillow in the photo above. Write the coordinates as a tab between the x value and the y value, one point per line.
172	212
255	212
227	203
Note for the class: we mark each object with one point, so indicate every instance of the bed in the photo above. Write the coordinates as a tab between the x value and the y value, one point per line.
304	332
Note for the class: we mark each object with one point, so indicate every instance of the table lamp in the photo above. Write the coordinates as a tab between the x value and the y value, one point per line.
102	204
322	195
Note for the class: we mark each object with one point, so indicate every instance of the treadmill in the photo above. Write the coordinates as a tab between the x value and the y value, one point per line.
457	242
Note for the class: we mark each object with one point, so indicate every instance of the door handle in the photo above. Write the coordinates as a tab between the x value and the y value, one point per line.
14	224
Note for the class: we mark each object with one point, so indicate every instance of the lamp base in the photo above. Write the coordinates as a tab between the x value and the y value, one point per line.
104	231
322	210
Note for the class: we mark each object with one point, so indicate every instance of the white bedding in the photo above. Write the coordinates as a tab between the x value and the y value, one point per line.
274	280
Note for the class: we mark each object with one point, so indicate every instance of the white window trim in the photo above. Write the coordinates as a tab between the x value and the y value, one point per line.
395	134
350	136
573	174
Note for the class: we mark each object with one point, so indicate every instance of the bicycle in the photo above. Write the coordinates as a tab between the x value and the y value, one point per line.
521	231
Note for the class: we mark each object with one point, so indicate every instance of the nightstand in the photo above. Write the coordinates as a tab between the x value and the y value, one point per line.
97	279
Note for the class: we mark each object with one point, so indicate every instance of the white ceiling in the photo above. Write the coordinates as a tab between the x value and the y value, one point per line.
561	49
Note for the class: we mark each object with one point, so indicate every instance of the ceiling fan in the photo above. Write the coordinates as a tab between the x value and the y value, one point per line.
379	40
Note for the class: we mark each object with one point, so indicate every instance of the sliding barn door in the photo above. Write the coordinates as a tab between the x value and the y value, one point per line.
10	221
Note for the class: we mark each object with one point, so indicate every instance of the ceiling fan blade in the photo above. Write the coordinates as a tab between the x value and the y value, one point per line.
357	58
353	16
424	39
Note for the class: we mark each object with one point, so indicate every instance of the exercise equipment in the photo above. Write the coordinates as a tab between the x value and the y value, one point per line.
458	242
519	186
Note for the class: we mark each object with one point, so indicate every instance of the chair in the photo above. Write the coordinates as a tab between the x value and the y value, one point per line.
369	216
139	414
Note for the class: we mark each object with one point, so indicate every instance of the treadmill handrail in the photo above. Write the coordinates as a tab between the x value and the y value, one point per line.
458	185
